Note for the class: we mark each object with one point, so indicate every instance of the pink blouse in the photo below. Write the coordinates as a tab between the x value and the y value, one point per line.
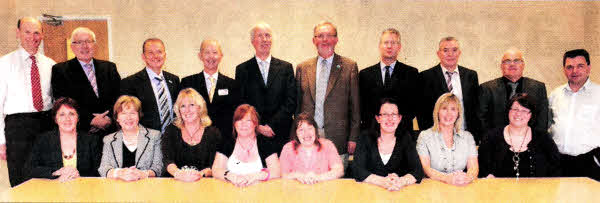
304	161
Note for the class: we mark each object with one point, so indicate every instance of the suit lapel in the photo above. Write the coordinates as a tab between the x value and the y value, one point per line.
273	71
336	69
202	86
143	140
378	78
311	74
502	94
463	80
171	85
100	78
254	71
440	74
147	87
117	148
77	72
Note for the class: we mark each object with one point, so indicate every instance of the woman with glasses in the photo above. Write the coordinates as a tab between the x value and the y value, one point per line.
386	156
518	150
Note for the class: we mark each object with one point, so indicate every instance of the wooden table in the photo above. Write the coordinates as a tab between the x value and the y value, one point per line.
343	190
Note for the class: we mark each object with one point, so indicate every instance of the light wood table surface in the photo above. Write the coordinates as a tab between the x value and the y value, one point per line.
343	190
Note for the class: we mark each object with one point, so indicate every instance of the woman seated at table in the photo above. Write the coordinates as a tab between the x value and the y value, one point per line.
190	144
386	156
444	149
308	158
247	158
133	152
64	152
517	150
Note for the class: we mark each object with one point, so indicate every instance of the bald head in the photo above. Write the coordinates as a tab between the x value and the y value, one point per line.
29	33
513	64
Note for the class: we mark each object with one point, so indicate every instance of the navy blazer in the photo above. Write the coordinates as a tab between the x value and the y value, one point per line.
140	86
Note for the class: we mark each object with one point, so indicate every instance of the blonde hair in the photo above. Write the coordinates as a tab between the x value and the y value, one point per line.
124	101
189	93
447	99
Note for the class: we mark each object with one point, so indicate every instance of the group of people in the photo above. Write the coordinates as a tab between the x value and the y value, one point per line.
268	122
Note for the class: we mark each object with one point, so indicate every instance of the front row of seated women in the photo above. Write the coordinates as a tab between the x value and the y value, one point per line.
386	156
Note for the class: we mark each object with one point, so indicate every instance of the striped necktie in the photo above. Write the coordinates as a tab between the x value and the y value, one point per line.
91	76
163	104
449	80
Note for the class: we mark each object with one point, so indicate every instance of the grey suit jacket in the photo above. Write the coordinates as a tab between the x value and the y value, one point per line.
493	103
148	155
342	115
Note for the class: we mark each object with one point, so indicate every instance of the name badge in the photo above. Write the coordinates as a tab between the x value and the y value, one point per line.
223	92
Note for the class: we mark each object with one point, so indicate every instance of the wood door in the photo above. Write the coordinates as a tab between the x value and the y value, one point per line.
56	38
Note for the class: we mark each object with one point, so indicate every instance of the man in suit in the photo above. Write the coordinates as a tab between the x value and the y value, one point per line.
494	94
389	78
328	89
92	83
155	88
448	76
220	92
269	86
25	98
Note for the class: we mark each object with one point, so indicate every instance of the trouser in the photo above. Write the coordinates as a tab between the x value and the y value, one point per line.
583	165
20	131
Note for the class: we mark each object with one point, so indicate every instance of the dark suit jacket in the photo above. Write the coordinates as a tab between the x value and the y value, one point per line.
433	84
493	103
69	80
342	115
225	99
275	102
46	155
404	91
140	86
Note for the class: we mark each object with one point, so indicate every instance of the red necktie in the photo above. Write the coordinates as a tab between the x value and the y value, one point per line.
36	90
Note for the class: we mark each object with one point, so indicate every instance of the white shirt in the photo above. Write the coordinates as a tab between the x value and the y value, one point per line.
575	125
456	90
207	80
382	65
15	84
155	87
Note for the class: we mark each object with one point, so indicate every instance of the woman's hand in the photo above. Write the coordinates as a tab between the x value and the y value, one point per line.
66	174
308	178
459	178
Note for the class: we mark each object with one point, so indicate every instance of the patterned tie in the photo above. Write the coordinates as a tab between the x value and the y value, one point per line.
513	86
321	89
36	89
212	89
163	105
91	76
387	82
449	80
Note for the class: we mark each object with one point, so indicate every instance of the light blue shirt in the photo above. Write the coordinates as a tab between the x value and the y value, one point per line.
155	87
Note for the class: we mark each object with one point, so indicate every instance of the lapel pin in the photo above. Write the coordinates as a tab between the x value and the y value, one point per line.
338	66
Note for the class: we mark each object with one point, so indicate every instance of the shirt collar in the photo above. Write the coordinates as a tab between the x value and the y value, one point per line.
444	69
586	86
91	62
207	76
506	80
382	65
25	55
329	60
152	74
268	60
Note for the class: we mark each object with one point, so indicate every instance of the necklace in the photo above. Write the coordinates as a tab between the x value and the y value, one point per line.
247	149
191	136
516	157
69	156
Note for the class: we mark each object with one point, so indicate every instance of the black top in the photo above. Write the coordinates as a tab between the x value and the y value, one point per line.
46	155
508	165
265	148
178	152
404	158
494	154
128	157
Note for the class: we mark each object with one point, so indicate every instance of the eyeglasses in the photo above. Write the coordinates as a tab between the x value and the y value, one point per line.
326	36
389	115
525	111
83	42
390	43
516	61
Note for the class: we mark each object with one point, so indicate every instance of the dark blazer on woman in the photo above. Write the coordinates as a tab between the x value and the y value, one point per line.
493	150
404	159
46	156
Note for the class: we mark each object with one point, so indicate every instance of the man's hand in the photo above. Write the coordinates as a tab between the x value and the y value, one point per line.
351	147
266	130
100	120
